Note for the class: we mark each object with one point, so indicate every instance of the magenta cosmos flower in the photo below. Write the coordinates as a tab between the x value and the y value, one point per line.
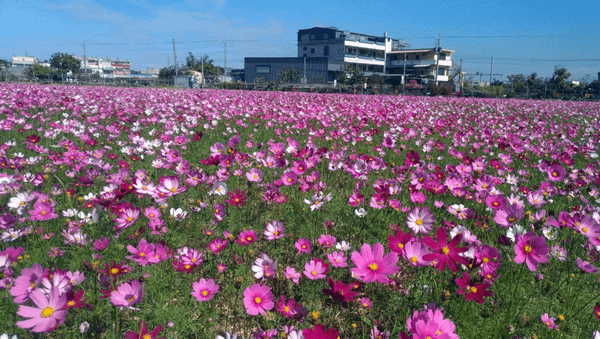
444	252
372	265
531	249
258	299
142	332
48	314
127	294
303	245
319	333
204	290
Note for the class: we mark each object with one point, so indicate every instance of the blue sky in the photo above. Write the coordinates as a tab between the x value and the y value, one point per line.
522	36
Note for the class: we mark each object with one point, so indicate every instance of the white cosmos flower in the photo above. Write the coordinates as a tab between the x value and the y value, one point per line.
360	212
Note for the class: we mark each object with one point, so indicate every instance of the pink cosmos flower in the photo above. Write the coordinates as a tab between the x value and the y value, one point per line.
315	270
127	294
430	323
414	251
42	211
372	265
586	266
246	237
126	218
508	215
556	173
254	175
217	245
274	230
303	245
204	290
326	240
26	283
170	186
264	267
289	178
48	314
143	254
420	220
219	212
258	299
548	321
356	199
531	249
291	274
337	259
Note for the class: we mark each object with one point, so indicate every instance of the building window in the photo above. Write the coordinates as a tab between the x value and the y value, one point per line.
312	51
312	37
325	36
417	57
305	48
304	55
263	69
326	51
304	37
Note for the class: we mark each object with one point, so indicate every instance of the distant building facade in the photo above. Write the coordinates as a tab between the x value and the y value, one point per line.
267	69
421	63
21	63
344	48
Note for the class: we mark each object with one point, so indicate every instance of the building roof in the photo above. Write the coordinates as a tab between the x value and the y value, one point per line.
421	50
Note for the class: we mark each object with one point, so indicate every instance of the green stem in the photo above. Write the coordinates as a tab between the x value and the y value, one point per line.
586	305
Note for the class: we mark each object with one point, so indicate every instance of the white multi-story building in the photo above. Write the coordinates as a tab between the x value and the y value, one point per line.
343	48
421	63
374	54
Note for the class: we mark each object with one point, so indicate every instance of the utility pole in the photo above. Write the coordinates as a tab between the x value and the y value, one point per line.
404	73
461	77
175	56
84	60
225	63
304	76
437	59
202	57
491	70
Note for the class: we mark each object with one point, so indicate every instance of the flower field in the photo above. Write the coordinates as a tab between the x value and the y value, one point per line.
155	213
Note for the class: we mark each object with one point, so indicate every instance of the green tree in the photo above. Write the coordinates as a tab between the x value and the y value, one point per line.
288	75
39	72
4	64
559	79
517	83
65	62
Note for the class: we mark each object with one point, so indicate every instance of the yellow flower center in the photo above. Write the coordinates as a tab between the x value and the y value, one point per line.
173	189
147	336
47	312
473	289
205	293
400	245
486	260
129	219
445	250
257	300
584	229
43	212
142	254
419	222
373	267
414	259
527	248
313	272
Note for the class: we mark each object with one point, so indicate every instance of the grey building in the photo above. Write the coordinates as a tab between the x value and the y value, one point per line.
343	48
267	69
